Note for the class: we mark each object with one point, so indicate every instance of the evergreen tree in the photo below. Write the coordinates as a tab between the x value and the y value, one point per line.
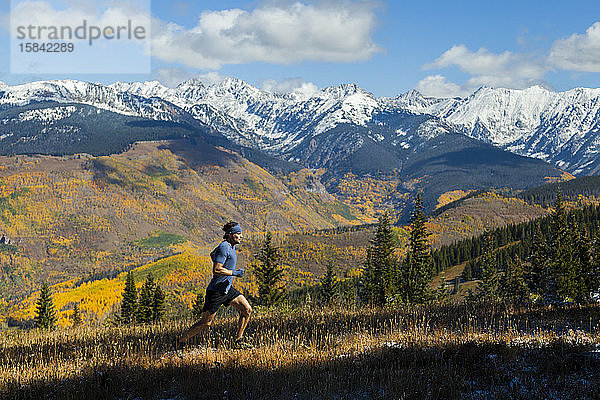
146	302
468	271
490	280
76	316
369	285
198	305
329	286
418	270
539	277
456	285
158	306
593	277
129	304
514	288
45	317
380	278
349	290
563	262
583	269
269	273
442	294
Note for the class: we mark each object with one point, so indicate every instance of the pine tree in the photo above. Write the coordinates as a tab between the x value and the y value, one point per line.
381	265
419	266
158	306
489	287
129	304
442	294
514	288
76	316
45	317
198	305
593	277
456	284
386	259
539	277
583	268
329	286
563	258
468	271
269	273
146	302
369	284
349	290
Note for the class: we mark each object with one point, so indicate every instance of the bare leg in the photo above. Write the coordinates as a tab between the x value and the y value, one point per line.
205	321
241	304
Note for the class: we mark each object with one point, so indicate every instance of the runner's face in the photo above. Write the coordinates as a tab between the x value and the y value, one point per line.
237	238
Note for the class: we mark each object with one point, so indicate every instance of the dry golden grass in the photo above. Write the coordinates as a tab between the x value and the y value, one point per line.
437	352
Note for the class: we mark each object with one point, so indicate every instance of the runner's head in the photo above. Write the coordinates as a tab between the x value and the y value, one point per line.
233	232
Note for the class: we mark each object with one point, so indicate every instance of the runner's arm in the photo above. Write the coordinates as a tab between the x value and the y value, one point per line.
219	269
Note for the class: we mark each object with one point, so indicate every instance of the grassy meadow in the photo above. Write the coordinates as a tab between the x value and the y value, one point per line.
418	352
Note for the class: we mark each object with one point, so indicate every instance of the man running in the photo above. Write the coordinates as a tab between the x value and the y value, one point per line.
219	290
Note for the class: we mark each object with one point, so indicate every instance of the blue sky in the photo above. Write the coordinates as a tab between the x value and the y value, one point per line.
442	48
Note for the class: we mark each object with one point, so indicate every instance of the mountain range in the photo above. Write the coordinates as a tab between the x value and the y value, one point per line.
561	128
495	137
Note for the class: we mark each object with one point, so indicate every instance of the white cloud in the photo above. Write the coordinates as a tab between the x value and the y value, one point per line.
274	33
98	29
507	69
290	85
438	86
43	13
171	77
578	52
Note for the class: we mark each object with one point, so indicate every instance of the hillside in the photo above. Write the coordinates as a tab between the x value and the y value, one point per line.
462	352
583	190
473	215
80	216
305	256
80	219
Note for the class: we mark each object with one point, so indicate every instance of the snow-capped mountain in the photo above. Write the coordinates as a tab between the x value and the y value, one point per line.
240	111
561	128
94	94
271	121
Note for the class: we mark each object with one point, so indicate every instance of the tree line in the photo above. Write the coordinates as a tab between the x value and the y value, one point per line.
571	190
509	241
561	263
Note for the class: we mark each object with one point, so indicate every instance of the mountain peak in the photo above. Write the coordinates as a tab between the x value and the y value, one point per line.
413	95
346	90
234	83
236	87
190	82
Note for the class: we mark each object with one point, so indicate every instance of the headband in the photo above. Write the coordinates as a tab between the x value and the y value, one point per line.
235	229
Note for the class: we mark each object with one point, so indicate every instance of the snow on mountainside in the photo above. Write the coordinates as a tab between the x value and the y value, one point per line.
97	95
562	128
559	127
272	121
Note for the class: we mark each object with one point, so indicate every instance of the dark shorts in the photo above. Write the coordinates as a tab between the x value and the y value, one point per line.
214	299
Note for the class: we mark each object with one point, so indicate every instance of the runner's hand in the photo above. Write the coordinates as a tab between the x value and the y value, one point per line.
238	272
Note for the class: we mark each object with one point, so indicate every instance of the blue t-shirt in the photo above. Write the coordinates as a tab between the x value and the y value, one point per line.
224	254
